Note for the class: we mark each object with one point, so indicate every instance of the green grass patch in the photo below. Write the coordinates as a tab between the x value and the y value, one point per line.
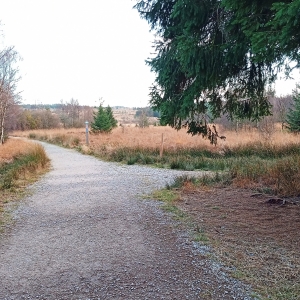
284	291
169	198
287	292
166	195
200	237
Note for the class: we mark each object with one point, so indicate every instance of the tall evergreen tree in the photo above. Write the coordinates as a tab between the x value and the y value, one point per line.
293	116
224	52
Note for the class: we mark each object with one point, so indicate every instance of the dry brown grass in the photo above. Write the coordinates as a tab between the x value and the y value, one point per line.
272	164
13	148
21	163
151	138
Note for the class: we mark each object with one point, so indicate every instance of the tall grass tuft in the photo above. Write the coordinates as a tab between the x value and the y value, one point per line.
24	159
286	173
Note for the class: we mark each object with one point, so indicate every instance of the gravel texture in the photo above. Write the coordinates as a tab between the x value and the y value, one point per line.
86	233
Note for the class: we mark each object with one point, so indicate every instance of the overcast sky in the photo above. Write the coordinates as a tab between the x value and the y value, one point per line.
85	49
82	49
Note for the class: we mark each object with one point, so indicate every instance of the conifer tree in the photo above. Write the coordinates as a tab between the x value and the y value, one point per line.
104	120
101	121
225	52
293	116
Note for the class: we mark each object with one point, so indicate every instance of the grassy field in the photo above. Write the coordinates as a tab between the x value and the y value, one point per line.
21	162
246	158
150	137
248	211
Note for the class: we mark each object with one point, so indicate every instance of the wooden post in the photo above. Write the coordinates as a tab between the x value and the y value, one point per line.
87	133
162	146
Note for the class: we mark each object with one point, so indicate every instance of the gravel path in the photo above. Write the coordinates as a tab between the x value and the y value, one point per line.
85	233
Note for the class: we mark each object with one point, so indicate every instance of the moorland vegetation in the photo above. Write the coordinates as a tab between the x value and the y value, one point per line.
266	158
21	162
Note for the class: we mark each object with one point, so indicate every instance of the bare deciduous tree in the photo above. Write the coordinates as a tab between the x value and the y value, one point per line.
8	81
70	113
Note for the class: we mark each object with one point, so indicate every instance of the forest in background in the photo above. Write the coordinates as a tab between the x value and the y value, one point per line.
73	115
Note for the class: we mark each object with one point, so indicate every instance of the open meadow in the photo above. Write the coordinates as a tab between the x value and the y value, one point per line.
249	157
150	137
248	211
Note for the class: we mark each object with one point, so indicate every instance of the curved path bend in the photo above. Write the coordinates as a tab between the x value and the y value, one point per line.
86	233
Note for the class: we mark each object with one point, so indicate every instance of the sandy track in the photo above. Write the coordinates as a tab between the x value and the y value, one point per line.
85	233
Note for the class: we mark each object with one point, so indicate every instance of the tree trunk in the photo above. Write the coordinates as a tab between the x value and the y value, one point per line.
2	130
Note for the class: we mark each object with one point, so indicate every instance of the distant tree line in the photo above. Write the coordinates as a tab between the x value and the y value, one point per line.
285	110
66	114
42	106
280	106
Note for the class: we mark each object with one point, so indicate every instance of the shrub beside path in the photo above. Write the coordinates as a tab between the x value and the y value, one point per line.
85	233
